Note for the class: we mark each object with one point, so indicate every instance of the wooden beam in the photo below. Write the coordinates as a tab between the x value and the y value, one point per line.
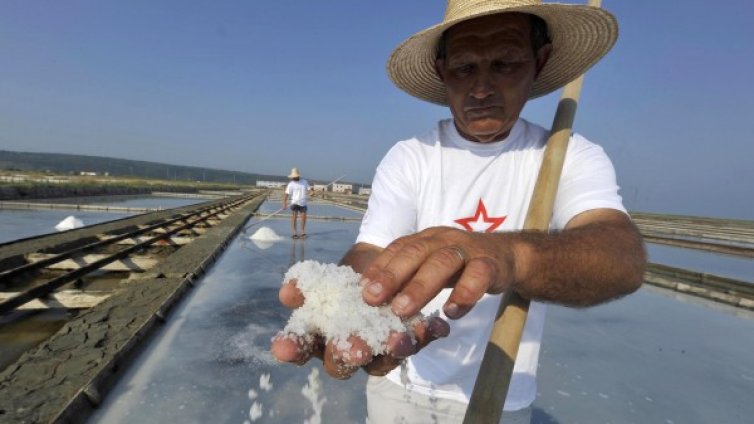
69	299
129	264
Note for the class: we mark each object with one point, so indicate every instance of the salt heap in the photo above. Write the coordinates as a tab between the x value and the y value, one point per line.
266	234
69	223
265	237
334	308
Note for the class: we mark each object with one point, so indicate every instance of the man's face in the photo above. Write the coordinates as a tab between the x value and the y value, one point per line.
488	71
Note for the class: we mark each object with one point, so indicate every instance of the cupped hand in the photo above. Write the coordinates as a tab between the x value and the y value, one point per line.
342	361
413	269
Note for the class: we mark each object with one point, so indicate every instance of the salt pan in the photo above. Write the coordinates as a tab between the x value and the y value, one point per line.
333	307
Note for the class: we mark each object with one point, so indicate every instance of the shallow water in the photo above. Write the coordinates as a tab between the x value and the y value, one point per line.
713	263
21	223
653	357
135	201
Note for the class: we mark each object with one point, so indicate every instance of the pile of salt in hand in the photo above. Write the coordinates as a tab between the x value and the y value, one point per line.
333	308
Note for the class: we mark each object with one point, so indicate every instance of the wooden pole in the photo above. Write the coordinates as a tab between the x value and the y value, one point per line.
491	386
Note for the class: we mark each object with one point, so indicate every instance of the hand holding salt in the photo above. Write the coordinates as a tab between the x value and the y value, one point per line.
332	321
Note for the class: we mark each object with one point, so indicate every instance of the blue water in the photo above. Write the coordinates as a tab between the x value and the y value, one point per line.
713	263
139	201
16	224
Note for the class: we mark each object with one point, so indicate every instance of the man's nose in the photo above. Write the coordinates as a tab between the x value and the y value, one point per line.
482	87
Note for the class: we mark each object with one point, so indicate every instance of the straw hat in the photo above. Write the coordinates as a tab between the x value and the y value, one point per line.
294	173
580	36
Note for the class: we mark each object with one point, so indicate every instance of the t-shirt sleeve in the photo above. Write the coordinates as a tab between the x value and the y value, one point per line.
587	182
391	212
288	189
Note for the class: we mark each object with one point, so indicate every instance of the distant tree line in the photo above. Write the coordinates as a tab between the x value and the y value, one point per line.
59	163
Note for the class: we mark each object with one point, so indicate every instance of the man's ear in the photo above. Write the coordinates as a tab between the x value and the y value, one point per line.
542	56
440	68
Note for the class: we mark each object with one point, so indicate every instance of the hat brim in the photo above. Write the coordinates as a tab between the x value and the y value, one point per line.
581	35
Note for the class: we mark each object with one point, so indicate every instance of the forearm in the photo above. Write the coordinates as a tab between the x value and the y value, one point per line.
581	266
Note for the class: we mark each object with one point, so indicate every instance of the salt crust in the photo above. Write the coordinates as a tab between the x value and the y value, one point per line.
333	307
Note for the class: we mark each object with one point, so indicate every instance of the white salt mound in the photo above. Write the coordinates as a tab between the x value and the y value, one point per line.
334	308
266	234
69	223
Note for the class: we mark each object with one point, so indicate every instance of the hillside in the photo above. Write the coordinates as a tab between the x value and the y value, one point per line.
59	163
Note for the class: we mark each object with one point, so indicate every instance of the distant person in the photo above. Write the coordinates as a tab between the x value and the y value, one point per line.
298	190
443	233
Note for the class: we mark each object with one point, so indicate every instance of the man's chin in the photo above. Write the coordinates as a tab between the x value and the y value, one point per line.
487	131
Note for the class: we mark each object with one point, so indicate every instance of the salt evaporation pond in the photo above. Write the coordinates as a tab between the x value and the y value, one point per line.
21	223
655	356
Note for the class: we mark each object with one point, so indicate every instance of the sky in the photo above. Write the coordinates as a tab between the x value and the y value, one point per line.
263	86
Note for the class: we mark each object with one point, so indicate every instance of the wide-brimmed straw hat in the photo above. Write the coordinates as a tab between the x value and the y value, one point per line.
580	36
294	173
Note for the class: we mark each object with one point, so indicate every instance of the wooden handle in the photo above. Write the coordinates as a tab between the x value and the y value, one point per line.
491	386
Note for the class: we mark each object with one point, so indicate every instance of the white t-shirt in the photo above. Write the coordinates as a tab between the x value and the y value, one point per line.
443	179
297	190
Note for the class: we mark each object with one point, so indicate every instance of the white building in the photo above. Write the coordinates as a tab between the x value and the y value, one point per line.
342	188
366	191
271	184
319	187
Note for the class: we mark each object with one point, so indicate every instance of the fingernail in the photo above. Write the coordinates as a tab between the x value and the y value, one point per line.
374	288
452	310
401	303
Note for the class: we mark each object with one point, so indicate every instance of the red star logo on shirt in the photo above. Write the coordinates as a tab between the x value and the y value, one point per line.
480	221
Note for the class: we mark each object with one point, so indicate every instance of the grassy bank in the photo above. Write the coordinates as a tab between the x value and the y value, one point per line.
31	185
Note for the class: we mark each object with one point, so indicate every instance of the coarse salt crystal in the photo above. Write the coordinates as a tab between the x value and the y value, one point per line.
265	383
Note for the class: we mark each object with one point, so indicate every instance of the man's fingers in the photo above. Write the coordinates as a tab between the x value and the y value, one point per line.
432	276
477	277
289	348
381	365
290	295
401	345
342	360
376	278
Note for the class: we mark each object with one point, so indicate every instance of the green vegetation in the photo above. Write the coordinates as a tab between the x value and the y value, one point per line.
63	164
35	185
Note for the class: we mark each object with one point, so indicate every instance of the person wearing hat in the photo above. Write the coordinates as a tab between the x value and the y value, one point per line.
443	231
298	192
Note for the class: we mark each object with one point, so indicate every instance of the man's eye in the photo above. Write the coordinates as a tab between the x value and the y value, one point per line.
464	69
504	66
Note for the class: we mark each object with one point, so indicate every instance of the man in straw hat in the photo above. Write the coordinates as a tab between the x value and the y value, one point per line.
298	190
443	231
